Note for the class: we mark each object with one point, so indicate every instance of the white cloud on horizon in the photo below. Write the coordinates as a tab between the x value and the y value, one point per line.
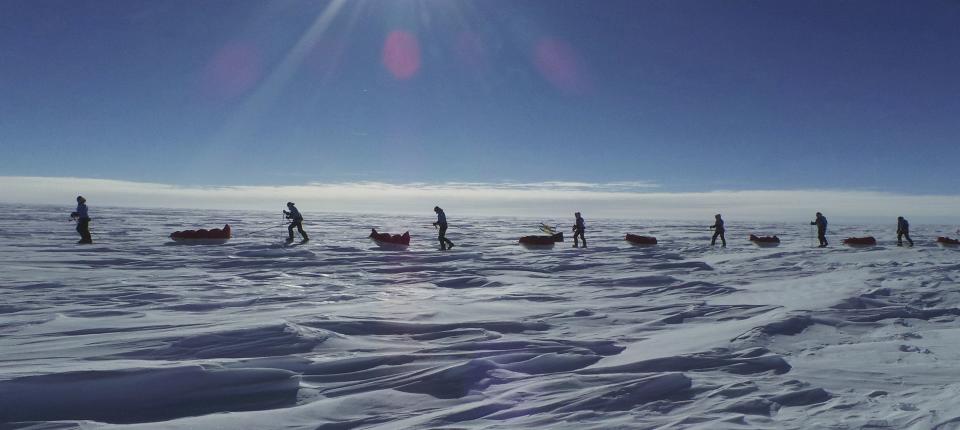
544	199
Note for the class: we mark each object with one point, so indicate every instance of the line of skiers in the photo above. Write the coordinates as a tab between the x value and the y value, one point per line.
903	230
82	217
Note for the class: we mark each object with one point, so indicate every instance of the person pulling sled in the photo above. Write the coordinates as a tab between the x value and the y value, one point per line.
83	221
296	220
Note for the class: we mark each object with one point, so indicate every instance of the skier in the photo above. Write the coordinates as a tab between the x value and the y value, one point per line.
296	221
718	230
903	230
83	220
578	228
821	223
445	243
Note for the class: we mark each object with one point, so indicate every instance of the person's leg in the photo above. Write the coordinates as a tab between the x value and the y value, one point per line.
443	234
300	230
909	240
442	237
84	228
899	238
713	241
723	239
583	238
290	230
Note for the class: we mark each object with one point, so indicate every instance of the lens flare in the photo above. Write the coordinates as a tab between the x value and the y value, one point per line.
401	54
232	71
560	65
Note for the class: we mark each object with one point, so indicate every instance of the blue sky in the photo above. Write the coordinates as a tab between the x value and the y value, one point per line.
690	95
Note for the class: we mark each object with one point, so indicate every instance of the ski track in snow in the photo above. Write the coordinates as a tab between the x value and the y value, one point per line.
135	331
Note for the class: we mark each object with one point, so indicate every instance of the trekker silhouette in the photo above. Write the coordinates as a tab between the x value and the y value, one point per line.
296	220
821	223
445	243
578	228
83	220
718	230
903	230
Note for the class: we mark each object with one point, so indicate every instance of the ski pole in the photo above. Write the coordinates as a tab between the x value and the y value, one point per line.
263	229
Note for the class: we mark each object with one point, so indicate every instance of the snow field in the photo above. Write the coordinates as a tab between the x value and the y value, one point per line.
136	332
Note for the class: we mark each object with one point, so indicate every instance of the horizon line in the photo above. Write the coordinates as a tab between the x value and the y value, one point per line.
621	199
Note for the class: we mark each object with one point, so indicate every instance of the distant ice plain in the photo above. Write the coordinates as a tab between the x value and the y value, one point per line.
137	331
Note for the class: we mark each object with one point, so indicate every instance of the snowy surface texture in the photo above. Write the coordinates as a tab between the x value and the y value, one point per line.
136	331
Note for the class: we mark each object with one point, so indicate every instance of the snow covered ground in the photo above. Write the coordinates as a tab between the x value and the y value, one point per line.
336	334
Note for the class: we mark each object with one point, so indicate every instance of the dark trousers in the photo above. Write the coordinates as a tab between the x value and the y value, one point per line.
83	227
444	242
822	237
723	238
579	233
901	235
299	225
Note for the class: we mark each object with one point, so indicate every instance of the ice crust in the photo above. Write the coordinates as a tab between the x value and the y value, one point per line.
136	332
